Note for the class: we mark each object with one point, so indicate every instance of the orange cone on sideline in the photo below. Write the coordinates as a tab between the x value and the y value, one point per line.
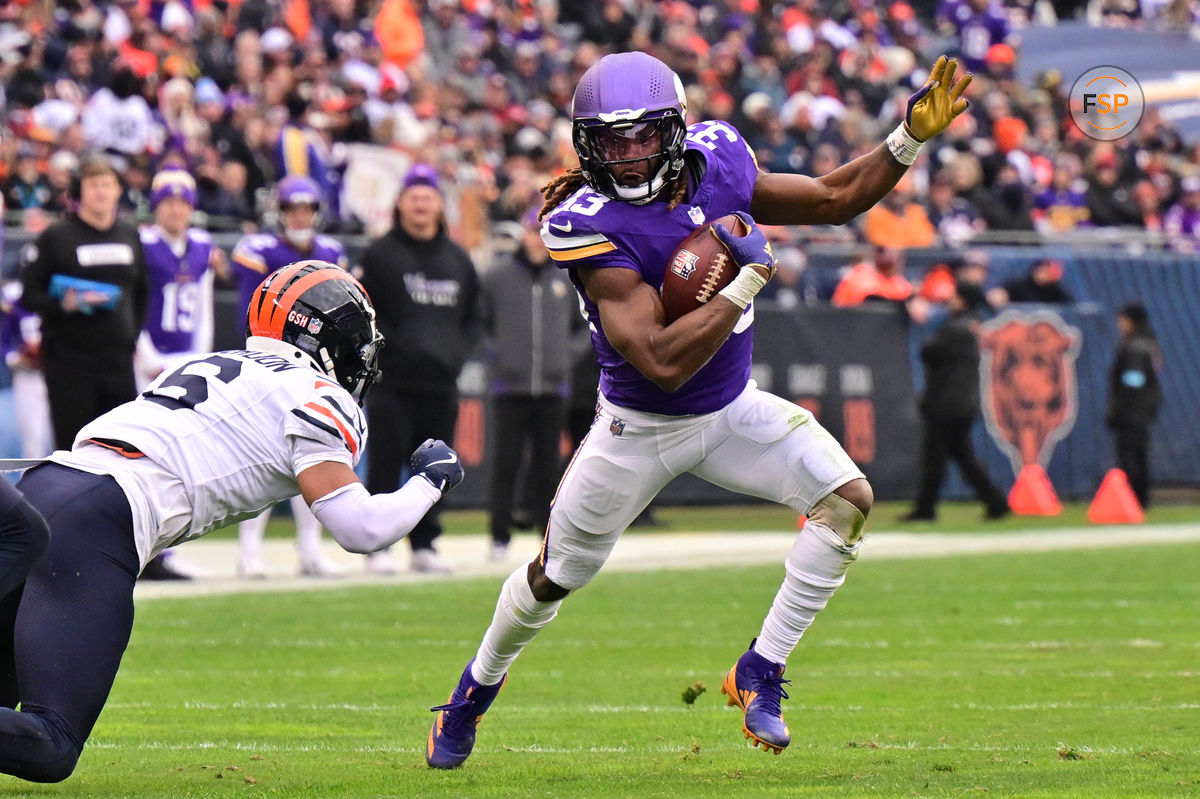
1033	494
1115	502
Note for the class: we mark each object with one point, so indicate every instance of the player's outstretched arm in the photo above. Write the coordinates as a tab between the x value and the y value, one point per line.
631	312
844	193
362	522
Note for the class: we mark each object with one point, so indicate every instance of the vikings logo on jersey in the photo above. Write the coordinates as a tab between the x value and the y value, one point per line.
590	230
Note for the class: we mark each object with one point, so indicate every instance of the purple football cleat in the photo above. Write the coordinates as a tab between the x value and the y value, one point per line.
453	735
755	684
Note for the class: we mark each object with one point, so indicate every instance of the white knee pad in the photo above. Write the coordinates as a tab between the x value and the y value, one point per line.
840	516
519	603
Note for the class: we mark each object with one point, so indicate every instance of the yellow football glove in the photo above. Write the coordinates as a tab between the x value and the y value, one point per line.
935	105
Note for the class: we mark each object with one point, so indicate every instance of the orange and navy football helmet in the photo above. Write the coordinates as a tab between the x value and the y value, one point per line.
321	310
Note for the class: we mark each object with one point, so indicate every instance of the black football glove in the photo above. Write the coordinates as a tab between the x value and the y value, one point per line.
437	463
753	249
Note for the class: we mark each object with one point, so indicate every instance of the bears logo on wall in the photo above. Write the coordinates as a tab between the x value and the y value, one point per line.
1029	386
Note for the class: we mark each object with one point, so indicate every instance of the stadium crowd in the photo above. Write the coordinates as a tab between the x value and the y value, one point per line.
244	93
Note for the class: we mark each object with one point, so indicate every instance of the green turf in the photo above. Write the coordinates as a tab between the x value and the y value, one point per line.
1050	675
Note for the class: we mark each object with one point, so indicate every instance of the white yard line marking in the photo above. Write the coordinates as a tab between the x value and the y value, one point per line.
213	561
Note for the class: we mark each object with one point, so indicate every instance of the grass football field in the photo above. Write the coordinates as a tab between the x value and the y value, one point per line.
1068	674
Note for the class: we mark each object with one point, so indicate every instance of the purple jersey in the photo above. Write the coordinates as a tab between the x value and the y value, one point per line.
260	254
589	230
977	33
1181	221
176	308
1063	209
19	329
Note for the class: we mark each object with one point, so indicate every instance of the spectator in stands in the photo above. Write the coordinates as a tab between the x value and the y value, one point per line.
1062	206
26	187
897	221
949	407
1042	284
1134	396
1110	200
1146	199
426	295
117	118
955	218
1181	222
59	169
534	331
1008	205
941	282
880	277
980	24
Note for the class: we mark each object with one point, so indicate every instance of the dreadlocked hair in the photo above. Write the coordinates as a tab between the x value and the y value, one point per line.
572	180
560	189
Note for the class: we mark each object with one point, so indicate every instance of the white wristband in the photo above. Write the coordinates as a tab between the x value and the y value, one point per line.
903	145
741	289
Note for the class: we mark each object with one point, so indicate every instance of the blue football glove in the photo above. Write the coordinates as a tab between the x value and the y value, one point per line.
753	249
437	463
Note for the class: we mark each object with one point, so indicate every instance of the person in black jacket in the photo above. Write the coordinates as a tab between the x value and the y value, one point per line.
950	406
1043	284
1134	396
534	330
426	296
89	283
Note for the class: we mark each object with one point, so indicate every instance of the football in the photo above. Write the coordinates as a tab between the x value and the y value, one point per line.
700	267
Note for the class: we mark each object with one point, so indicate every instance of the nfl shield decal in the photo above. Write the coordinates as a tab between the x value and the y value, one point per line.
684	263
617	427
696	214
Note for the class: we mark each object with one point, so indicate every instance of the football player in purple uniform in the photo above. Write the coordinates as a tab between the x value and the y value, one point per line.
678	398
180	261
254	257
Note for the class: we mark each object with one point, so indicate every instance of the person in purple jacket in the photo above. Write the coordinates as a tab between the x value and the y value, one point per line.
677	397
254	257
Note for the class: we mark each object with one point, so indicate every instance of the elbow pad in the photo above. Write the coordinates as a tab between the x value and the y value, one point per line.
362	522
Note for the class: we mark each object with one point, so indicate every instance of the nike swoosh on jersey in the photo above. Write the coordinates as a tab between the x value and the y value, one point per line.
451	459
567	228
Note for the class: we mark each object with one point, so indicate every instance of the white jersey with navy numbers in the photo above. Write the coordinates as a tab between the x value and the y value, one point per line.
223	437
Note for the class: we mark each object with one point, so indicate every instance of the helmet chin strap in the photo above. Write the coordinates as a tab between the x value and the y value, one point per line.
289	351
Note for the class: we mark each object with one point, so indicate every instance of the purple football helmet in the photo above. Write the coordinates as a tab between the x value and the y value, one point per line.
298	190
621	102
172	183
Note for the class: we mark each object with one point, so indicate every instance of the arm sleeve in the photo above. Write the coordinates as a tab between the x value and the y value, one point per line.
361	522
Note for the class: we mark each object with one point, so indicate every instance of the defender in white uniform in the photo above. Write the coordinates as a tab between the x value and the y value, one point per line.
213	442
